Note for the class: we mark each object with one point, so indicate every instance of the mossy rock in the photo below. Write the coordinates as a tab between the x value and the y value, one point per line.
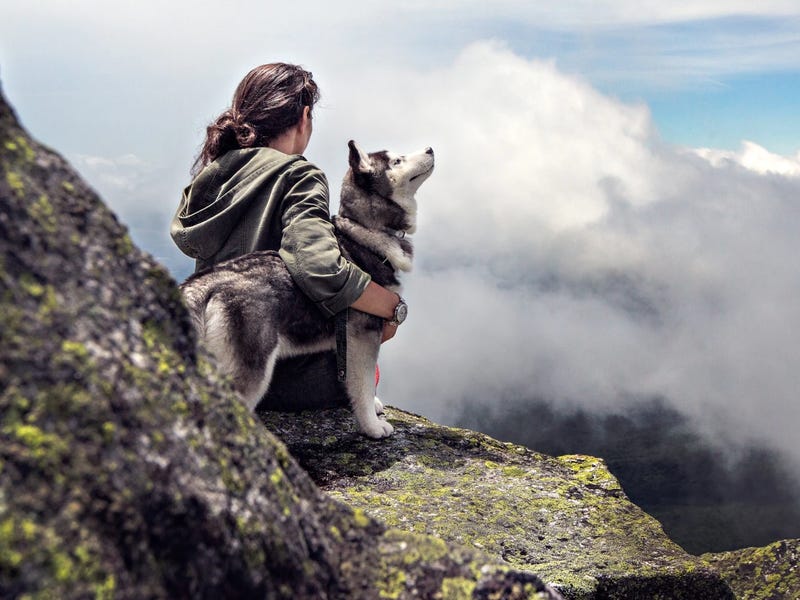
768	573
127	468
565	519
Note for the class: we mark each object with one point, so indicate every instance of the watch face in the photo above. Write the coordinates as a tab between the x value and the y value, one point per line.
401	312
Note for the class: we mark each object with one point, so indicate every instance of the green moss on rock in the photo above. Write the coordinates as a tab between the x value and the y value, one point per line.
43	213
566	519
768	573
14	181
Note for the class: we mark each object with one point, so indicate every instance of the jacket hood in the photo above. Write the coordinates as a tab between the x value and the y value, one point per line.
216	200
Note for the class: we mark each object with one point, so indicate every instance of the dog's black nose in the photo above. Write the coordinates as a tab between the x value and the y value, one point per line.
428	150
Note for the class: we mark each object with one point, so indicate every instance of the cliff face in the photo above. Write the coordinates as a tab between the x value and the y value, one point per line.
127	469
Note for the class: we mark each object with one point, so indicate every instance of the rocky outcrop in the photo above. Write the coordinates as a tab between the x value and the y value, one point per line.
564	518
127	470
769	573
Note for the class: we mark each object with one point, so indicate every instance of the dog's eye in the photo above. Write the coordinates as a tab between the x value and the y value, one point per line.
396	162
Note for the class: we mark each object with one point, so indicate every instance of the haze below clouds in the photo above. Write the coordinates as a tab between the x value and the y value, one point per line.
565	250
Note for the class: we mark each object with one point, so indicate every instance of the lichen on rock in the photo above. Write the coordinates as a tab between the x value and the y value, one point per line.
768	573
565	519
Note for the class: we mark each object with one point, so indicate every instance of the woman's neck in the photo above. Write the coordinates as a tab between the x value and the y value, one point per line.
291	141
284	144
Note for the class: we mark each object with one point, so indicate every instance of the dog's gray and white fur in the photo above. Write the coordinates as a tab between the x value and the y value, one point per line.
250	313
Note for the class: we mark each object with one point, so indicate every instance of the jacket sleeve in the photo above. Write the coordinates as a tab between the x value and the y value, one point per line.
309	246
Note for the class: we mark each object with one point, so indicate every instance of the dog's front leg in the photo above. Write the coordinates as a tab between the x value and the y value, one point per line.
362	355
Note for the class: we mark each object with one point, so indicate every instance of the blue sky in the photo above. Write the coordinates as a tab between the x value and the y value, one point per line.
760	107
710	82
614	212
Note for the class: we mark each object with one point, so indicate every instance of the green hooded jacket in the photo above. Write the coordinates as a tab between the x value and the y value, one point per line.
261	199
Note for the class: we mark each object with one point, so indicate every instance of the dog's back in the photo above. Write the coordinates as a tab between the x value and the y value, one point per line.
249	313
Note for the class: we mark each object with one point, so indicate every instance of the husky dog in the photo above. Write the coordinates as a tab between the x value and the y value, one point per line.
250	313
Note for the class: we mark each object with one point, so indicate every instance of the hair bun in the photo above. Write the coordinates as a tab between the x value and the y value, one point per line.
226	121
245	135
231	126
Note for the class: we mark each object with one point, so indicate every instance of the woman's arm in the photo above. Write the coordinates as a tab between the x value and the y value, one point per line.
377	300
311	252
309	246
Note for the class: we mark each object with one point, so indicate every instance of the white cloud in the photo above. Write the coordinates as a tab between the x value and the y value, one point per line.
143	195
563	251
753	157
113	175
586	14
519	129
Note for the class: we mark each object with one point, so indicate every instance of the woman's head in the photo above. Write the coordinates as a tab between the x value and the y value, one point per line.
269	101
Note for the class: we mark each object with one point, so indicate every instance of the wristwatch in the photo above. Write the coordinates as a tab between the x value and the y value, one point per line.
400	313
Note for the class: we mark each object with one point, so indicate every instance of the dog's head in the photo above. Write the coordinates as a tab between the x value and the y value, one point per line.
380	182
393	176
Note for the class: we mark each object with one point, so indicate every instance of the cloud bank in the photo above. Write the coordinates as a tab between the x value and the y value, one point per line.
566	253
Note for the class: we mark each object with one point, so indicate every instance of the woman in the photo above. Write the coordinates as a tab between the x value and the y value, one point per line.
253	190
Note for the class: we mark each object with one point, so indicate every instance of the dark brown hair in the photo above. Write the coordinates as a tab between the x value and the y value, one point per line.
268	101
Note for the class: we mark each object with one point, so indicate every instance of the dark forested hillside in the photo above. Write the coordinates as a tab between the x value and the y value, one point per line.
708	498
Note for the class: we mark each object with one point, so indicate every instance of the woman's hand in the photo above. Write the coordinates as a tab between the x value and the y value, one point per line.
389	330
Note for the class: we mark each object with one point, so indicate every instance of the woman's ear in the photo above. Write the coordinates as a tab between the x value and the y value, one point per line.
305	118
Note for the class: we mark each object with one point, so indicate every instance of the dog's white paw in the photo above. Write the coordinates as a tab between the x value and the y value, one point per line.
378	406
377	429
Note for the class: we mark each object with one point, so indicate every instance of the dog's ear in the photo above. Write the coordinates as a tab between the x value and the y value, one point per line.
359	160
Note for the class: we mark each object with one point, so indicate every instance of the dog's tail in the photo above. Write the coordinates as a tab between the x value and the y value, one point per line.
196	299
211	320
213	324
